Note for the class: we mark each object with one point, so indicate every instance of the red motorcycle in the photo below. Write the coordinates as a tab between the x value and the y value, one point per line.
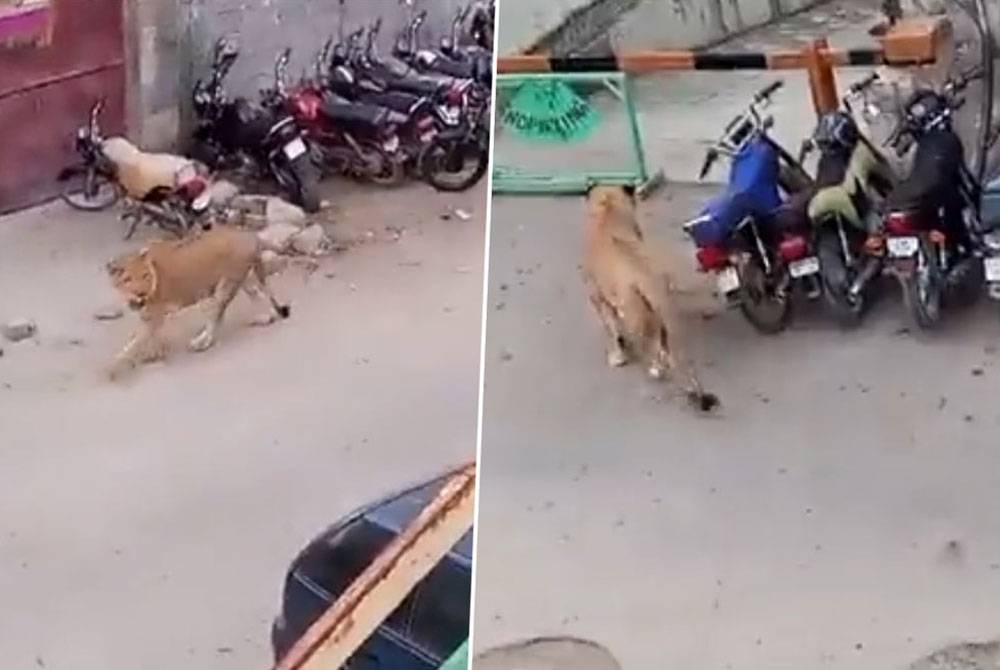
354	139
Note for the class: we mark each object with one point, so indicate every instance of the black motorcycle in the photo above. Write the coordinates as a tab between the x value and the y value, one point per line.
932	239
390	73
453	48
239	135
407	49
483	21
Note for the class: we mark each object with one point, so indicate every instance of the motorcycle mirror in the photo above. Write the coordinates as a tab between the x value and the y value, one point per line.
376	26
710	157
807	148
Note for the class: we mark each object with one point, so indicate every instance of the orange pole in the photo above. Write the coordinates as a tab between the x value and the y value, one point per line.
822	80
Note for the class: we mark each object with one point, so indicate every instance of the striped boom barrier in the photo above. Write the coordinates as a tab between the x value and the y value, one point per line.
908	42
641	62
913	41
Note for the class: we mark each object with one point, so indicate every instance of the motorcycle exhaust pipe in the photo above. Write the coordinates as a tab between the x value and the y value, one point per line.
868	272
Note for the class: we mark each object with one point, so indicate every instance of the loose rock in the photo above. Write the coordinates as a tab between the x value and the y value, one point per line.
261	211
278	236
19	329
109	313
311	241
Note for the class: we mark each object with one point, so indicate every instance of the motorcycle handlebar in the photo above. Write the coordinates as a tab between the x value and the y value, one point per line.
769	90
960	82
710	157
864	83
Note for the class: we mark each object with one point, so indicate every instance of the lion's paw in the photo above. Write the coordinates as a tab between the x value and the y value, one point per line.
202	341
617	358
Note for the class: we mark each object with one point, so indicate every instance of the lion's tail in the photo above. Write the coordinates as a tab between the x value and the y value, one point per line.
652	287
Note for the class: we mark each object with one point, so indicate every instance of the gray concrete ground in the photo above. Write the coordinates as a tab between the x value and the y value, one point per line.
837	513
148	524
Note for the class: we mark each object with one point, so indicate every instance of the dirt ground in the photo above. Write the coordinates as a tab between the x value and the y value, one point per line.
148	523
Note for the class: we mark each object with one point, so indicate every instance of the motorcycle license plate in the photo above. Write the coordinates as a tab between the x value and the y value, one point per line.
992	266
903	247
295	148
391	144
728	281
804	267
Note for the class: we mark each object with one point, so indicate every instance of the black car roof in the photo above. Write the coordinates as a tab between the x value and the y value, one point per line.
396	510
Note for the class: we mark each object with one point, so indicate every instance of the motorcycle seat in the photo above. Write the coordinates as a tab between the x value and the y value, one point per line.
399	101
344	111
437	62
723	215
935	170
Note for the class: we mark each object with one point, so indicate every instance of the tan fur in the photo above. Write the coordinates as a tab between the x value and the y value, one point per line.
170	275
630	290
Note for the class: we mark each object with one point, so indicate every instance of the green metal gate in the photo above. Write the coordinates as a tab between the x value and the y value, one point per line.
562	132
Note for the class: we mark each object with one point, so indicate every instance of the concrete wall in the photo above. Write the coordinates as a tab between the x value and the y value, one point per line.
172	42
564	26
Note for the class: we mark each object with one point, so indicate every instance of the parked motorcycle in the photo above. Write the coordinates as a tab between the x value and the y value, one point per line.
237	134
90	184
483	21
853	179
407	49
458	156
756	244
354	139
453	48
163	190
931	239
392	74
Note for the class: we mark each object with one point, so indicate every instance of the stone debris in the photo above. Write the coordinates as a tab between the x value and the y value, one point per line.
109	313
19	329
262	211
278	236
311	241
223	193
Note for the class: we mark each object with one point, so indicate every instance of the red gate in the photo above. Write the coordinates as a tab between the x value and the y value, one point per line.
56	58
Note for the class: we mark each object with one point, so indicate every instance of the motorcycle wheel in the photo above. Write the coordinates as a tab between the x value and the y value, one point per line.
765	304
922	291
837	279
392	174
90	191
445	164
964	283
302	182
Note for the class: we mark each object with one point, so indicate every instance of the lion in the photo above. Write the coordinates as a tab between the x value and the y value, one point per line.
630	292
169	275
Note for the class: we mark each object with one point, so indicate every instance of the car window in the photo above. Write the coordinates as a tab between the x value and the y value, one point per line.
441	617
347	555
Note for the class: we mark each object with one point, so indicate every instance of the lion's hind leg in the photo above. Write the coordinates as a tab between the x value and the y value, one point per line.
224	293
256	287
617	353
